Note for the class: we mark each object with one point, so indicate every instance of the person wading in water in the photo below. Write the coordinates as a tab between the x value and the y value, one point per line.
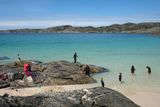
132	69
120	77
149	69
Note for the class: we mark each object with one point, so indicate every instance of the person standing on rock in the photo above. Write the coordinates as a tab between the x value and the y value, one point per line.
102	82
75	57
132	69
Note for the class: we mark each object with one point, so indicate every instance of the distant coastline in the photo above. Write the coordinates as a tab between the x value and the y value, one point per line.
147	27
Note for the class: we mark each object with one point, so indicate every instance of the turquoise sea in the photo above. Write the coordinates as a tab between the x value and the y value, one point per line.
117	52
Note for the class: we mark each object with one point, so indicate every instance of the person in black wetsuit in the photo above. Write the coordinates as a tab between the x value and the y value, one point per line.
75	57
149	69
120	77
132	69
87	70
102	82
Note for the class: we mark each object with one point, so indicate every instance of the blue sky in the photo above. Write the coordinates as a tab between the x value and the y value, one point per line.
46	13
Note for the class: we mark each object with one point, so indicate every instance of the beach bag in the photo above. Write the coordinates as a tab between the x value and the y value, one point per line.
29	79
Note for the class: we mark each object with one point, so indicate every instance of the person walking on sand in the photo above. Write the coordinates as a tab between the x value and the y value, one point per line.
102	82
132	69
149	69
120	77
75	57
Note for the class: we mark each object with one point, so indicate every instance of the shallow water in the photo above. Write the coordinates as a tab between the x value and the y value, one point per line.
117	52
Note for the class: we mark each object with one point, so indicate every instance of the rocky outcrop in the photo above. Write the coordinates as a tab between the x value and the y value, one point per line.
52	73
150	27
94	97
4	58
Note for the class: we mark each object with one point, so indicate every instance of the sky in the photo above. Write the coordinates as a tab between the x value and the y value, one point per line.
48	13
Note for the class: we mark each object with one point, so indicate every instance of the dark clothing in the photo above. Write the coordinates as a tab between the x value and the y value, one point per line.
75	57
19	58
87	70
149	69
102	82
120	77
132	69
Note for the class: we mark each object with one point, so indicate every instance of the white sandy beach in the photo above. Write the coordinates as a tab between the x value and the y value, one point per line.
146	99
142	98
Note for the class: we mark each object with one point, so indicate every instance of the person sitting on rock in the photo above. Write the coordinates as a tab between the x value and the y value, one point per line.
87	70
27	72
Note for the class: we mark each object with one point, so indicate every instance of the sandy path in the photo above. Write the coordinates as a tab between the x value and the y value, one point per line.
36	90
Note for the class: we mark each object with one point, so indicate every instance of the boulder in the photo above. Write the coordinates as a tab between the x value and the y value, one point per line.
3	103
93	97
4	84
52	73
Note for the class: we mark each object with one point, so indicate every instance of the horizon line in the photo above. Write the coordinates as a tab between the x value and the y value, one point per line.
49	26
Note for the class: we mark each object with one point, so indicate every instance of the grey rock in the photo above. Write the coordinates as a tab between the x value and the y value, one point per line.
93	97
4	84
51	73
3	103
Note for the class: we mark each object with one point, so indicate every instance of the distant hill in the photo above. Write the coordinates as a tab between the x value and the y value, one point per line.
148	27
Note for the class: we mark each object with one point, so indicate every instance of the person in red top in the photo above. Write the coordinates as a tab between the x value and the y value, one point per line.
27	69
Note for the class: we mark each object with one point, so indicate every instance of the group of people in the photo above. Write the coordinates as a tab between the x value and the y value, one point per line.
27	70
87	70
133	69
133	72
